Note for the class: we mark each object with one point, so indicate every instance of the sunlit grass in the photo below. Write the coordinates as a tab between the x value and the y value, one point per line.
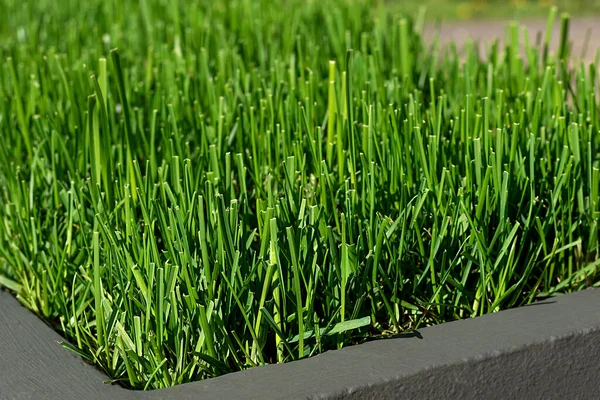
254	182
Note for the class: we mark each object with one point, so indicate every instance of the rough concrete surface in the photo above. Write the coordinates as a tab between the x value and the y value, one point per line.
549	350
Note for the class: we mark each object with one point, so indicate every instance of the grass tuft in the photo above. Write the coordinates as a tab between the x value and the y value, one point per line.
255	182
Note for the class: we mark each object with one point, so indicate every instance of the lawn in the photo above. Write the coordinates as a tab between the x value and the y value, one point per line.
189	189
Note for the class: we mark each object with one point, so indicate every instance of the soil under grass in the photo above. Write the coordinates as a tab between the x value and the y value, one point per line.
234	186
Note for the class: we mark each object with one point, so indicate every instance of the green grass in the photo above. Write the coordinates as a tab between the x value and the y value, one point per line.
234	186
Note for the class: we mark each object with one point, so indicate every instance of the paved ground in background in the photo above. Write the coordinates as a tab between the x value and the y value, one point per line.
487	31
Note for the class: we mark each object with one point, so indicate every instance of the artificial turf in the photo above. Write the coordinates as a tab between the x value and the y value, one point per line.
193	188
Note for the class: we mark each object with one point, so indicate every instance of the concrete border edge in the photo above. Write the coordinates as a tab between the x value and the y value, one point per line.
550	349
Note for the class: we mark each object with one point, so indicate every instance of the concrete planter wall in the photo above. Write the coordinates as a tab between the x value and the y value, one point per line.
549	350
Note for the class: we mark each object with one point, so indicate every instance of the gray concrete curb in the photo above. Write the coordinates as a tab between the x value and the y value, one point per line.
549	350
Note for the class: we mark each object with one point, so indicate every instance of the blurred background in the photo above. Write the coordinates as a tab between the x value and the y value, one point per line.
497	9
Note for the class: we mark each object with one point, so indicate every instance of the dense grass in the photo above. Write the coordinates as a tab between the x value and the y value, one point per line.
233	186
